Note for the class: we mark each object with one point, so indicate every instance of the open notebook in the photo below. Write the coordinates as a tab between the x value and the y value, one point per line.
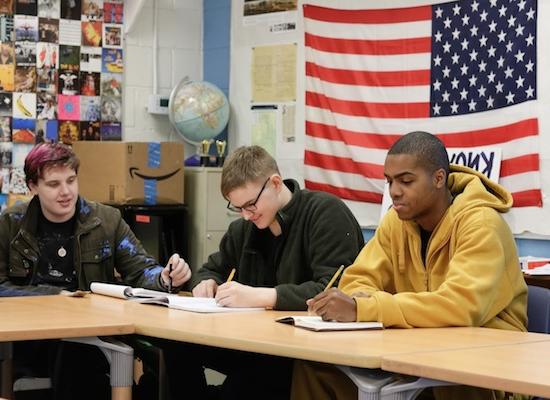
315	323
146	296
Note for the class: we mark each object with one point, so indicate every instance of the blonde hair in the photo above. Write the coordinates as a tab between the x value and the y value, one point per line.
246	164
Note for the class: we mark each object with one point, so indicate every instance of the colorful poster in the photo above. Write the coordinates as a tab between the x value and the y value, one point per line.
113	13
25	79
90	59
48	30
23	130
92	10
68	107
24	105
47	55
112	61
112	36
90	130
49	8
91	33
89	83
90	108
68	131
5	129
111	131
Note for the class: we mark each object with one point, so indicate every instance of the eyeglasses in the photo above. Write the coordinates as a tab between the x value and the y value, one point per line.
251	207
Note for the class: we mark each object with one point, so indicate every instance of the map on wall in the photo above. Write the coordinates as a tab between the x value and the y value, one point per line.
61	65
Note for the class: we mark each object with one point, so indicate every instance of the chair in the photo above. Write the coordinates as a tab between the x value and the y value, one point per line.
538	309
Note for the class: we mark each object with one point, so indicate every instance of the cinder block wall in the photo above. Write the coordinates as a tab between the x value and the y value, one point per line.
180	32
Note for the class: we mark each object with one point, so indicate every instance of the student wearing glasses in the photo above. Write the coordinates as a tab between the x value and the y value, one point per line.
285	248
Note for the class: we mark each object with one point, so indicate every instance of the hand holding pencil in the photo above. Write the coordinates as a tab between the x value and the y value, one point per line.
176	272
332	303
209	287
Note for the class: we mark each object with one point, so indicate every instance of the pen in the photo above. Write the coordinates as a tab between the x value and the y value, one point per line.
170	277
334	277
231	275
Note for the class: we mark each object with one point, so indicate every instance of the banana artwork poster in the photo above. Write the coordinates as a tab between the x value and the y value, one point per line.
61	66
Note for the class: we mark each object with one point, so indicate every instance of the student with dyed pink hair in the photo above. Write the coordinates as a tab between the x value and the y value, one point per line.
61	241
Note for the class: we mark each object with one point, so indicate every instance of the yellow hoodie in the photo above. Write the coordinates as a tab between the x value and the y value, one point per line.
471	276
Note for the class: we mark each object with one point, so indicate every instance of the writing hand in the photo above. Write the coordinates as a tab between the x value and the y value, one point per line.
180	272
235	294
333	305
206	288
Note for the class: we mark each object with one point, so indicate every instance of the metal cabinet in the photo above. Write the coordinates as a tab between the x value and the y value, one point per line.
208	216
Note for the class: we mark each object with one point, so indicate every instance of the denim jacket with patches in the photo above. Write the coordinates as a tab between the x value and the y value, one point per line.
103	244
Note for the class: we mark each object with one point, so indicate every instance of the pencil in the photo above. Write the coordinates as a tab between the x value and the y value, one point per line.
334	277
231	275
169	277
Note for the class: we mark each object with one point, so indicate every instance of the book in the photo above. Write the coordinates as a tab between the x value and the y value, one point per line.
146	296
315	323
126	292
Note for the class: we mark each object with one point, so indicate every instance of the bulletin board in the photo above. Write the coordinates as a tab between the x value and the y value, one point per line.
61	65
250	31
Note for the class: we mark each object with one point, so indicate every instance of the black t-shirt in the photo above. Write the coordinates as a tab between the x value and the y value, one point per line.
270	249
56	246
425	239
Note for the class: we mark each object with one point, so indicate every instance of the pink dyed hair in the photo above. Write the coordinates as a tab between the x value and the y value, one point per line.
47	155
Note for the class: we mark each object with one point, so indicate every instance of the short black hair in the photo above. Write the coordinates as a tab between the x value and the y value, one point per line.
428	149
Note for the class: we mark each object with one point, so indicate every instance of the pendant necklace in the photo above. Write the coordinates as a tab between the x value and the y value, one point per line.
61	252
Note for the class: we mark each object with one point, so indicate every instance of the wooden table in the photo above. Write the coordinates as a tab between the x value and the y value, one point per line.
257	332
59	317
519	368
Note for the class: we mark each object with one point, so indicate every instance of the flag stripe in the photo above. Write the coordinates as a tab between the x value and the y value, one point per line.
368	93
371	140
362	62
518	165
344	164
442	125
372	47
364	109
367	16
491	136
527	198
407	30
369	78
346	193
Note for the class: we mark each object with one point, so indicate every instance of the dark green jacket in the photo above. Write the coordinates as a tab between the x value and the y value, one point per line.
103	242
319	233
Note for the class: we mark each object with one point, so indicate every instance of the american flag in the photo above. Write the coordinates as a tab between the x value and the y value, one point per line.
463	70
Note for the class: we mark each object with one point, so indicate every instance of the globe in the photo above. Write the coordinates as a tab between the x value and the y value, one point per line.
198	110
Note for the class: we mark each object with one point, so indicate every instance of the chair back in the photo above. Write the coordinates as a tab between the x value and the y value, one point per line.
538	309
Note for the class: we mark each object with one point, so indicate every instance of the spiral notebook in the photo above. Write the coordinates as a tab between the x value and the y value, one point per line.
146	296
315	323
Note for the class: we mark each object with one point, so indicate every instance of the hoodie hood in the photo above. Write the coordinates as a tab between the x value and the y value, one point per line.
472	189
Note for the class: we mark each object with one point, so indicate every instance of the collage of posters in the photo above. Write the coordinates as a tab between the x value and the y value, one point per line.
61	65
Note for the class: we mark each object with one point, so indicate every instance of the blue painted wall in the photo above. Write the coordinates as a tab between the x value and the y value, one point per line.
216	42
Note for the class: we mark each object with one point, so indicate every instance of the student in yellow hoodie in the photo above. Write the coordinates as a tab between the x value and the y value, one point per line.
442	256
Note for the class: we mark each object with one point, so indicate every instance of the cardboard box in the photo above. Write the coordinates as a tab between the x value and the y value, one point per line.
131	172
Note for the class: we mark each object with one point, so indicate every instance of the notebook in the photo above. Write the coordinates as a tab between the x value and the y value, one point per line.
315	323
146	296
